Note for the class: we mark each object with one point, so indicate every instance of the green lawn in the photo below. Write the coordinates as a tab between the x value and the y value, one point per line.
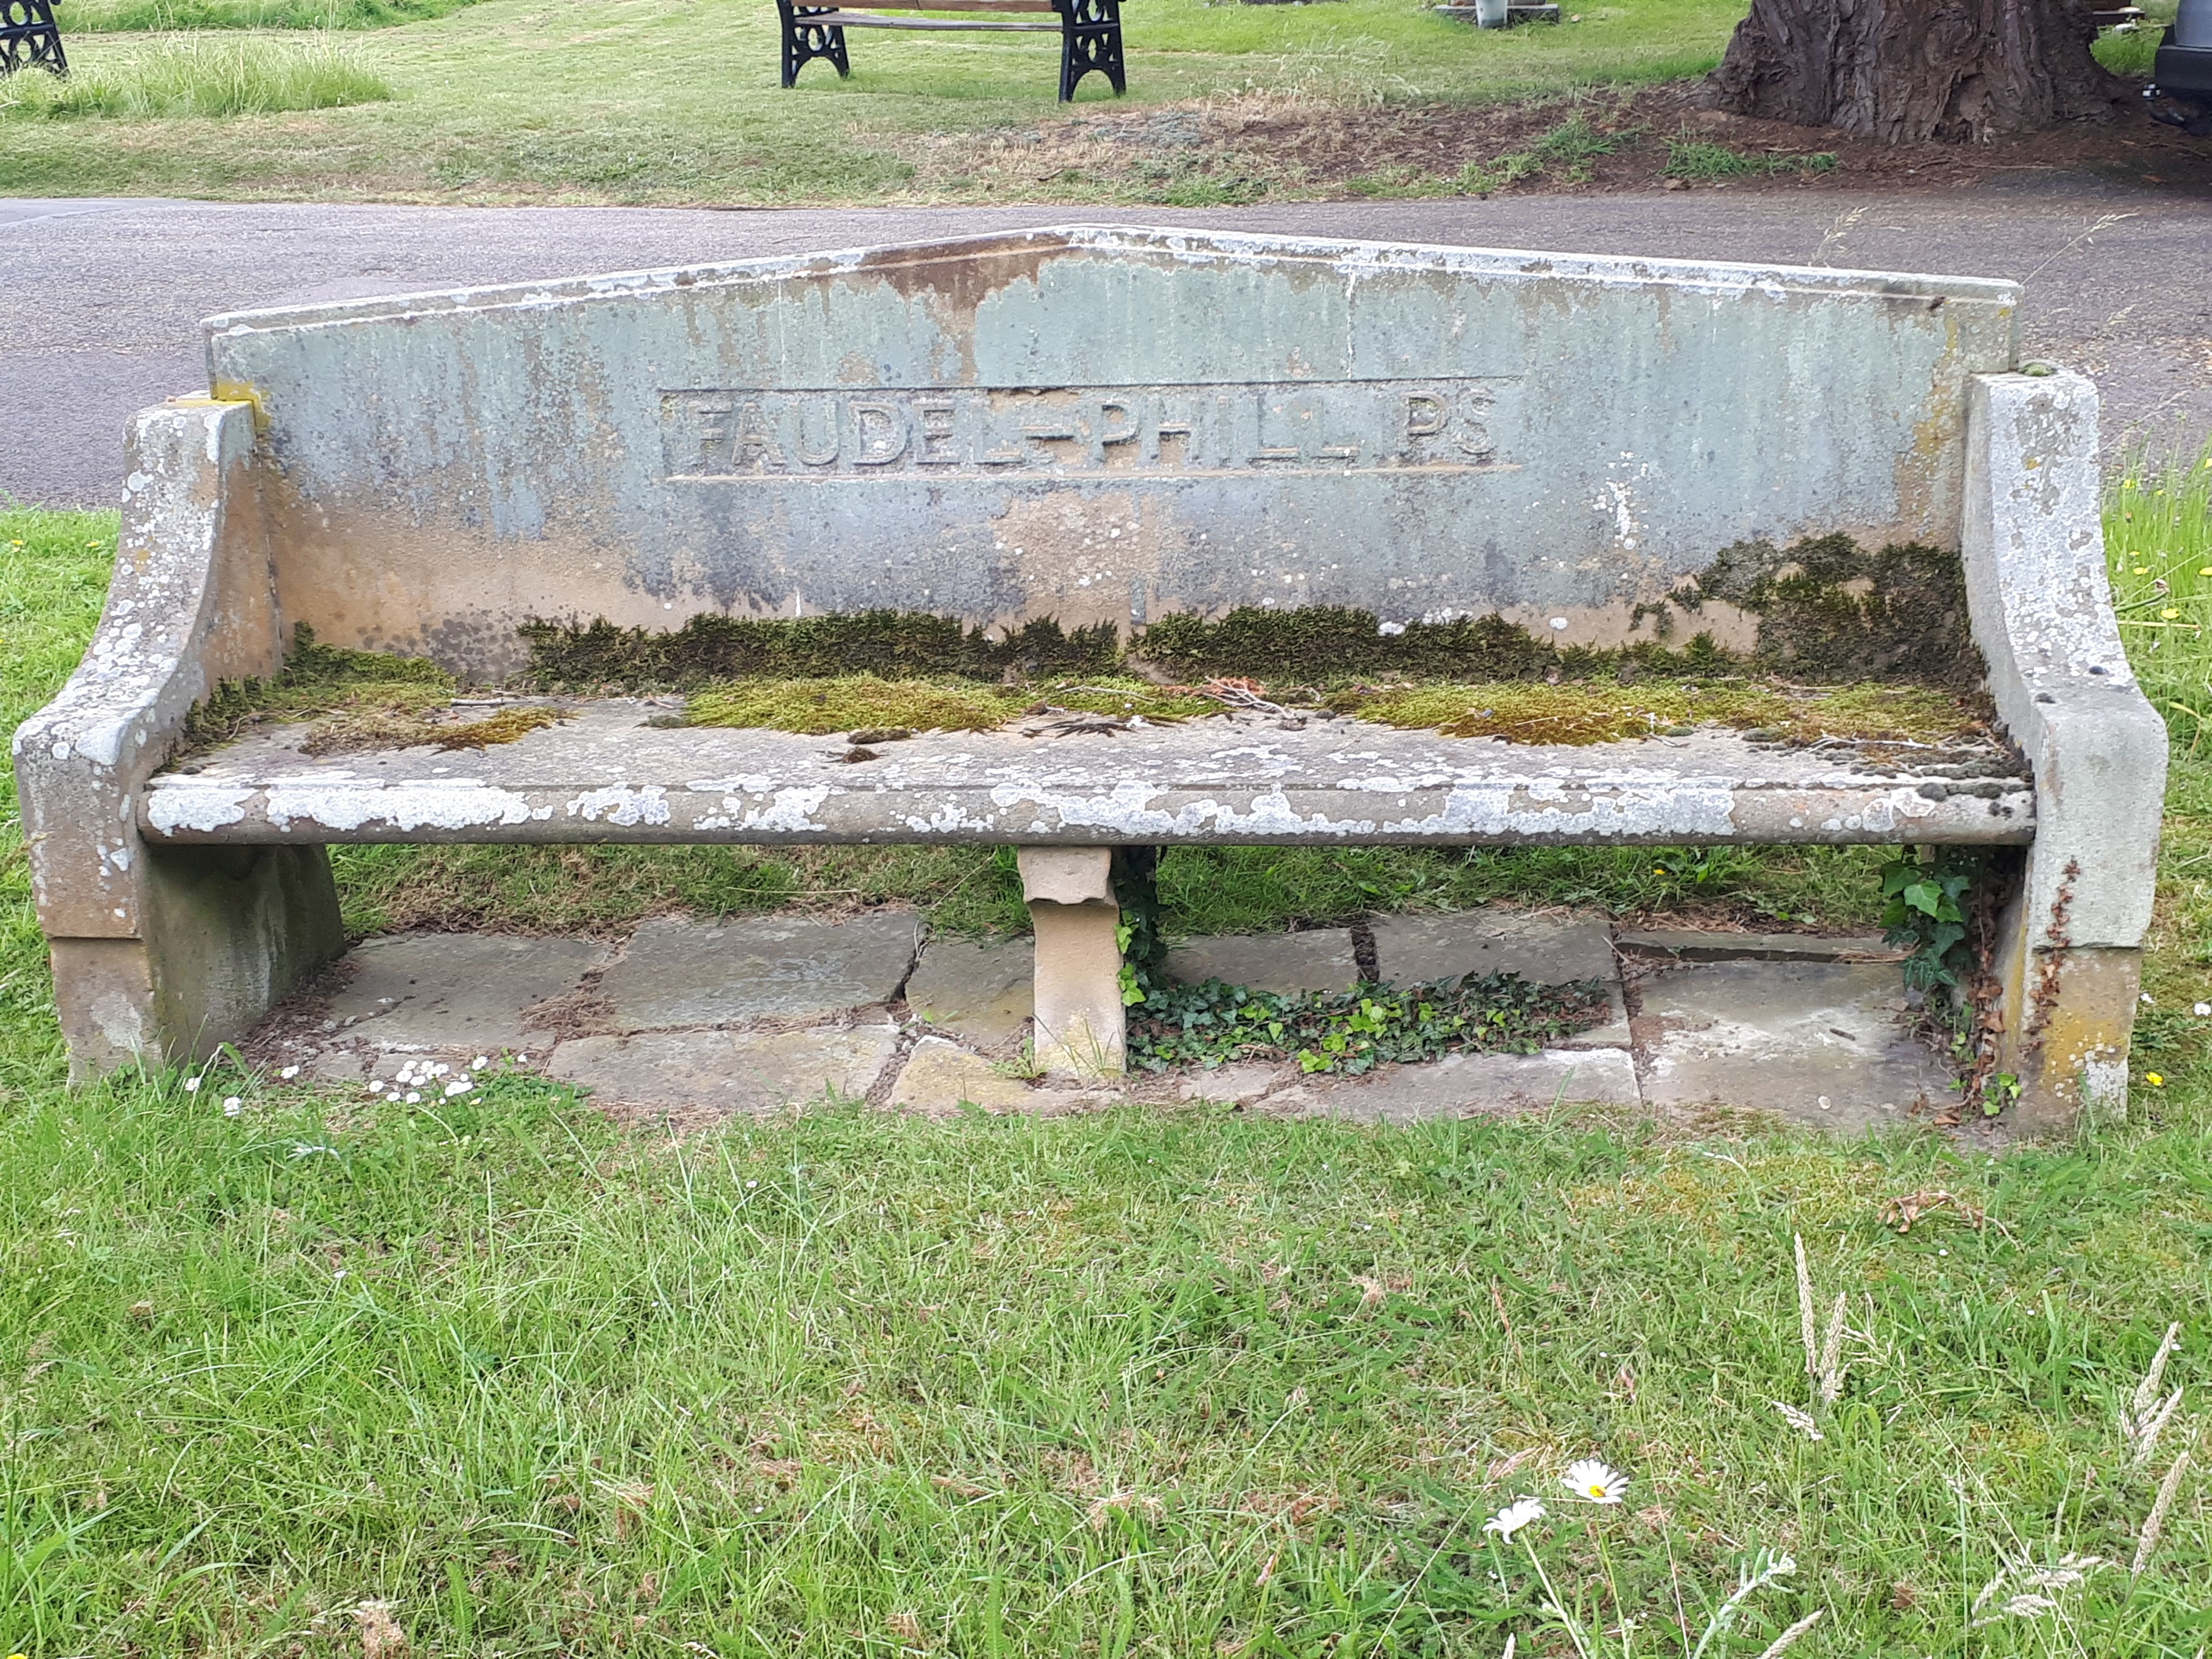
677	100
511	1380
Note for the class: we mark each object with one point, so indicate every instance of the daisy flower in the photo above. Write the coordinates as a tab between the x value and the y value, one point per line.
1515	1515
1595	1482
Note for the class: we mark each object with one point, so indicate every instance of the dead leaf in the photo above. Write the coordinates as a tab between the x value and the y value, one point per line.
380	1635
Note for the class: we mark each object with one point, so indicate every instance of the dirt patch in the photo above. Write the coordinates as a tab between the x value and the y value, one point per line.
1249	148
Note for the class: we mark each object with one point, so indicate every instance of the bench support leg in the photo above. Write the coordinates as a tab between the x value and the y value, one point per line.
225	933
1080	1025
804	41
1090	38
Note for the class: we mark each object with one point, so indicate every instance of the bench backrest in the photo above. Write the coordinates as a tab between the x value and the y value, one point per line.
1094	424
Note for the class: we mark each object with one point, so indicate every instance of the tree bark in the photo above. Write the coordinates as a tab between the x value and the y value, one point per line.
1904	71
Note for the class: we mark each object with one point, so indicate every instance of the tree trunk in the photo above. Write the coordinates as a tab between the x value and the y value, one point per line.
1902	71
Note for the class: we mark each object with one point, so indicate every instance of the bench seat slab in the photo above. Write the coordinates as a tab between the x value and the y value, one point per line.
605	775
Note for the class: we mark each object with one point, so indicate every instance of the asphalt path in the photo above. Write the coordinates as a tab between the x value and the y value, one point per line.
104	297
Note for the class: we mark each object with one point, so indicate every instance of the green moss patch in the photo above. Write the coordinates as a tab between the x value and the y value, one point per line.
356	700
890	644
1324	645
1829	609
852	702
870	708
1601	712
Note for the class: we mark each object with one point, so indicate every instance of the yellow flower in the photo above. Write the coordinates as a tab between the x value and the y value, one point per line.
2153	1079
2169	613
2205	571
2142	570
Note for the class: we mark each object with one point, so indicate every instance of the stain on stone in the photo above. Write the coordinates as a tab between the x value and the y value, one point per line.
1831	610
965	274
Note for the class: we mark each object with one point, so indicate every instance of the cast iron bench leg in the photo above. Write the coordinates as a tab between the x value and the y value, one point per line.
1090	38
804	41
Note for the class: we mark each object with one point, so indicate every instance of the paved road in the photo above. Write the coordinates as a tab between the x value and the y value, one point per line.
104	295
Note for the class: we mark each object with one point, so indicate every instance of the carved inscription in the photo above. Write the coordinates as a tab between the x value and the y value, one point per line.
1172	430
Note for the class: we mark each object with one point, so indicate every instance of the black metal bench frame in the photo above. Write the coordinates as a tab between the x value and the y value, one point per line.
1089	32
29	37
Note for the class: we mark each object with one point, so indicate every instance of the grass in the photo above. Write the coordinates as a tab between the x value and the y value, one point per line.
512	1380
200	76
1700	159
105	16
677	100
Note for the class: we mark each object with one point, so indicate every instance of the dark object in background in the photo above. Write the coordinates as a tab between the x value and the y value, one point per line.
2182	70
29	37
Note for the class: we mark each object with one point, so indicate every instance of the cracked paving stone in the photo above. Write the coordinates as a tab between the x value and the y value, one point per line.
456	990
676	972
1786	1037
757	1072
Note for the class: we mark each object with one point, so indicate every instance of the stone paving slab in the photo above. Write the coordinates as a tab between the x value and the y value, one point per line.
437	991
983	992
1465	1085
1545	949
1320	960
1721	944
728	1071
676	972
940	1076
1821	1043
1237	1084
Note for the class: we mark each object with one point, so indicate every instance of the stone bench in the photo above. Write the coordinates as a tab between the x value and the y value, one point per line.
1096	426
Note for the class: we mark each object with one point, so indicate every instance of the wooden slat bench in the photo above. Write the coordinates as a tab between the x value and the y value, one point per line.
1143	434
1090	32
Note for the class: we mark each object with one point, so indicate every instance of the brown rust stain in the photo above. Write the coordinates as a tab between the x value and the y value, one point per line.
962	275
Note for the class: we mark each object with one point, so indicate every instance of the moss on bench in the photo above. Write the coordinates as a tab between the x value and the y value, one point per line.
358	700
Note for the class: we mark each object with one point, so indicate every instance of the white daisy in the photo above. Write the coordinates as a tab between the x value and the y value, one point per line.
1595	1482
1515	1515
288	1072
192	1086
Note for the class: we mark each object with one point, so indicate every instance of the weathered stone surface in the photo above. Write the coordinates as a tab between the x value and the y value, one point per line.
603	774
981	991
1787	1037
458	990
1239	1083
728	1071
1466	1086
940	1076
676	972
1724	944
1320	960
1544	949
1100	424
